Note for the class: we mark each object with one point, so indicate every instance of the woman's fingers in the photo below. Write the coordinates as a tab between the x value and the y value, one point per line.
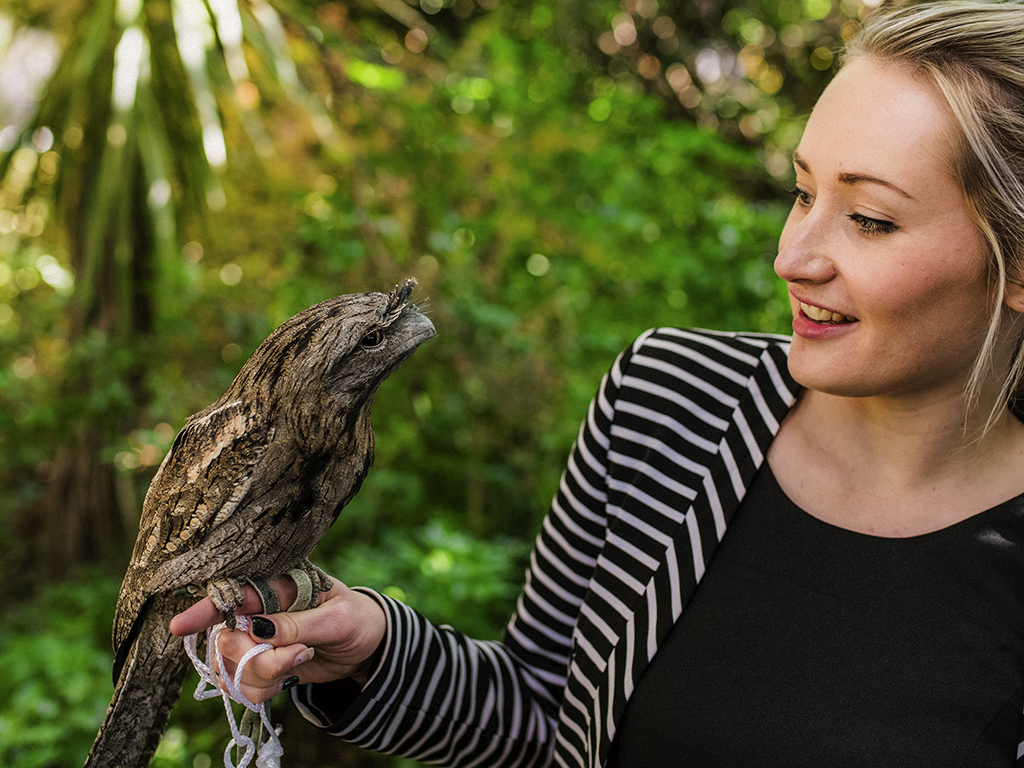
264	673
345	629
203	614
259	695
270	666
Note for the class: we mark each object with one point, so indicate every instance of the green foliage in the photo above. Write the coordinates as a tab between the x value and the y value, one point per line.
555	189
56	682
56	687
747	69
544	241
443	573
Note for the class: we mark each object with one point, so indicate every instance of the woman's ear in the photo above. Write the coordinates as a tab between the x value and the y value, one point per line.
1014	297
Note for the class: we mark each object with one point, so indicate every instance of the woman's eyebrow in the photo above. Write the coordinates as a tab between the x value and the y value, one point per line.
849	177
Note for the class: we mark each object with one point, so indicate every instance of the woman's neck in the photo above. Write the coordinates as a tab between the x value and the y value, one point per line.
892	467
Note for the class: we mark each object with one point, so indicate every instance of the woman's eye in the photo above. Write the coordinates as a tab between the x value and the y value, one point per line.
803	199
870	226
373	339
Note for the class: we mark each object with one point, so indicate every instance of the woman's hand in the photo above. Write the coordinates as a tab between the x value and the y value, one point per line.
332	641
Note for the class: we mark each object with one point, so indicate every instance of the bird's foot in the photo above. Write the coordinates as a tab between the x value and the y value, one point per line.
226	594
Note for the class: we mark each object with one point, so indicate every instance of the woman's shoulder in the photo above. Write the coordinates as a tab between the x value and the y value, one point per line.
739	352
712	371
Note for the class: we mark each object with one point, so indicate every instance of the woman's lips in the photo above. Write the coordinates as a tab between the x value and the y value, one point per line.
831	325
825	316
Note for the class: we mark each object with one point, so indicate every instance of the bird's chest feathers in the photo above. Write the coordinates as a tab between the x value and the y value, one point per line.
246	488
262	523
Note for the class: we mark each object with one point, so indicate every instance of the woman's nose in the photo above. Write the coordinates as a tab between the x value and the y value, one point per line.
805	248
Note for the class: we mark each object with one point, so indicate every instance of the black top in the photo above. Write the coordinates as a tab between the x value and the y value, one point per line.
808	645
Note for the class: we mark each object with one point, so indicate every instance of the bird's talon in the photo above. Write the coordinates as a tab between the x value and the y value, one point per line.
227	597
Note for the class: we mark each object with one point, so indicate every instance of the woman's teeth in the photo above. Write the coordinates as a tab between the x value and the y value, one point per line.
824	315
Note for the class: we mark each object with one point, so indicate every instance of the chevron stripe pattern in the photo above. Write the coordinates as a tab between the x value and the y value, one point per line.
672	440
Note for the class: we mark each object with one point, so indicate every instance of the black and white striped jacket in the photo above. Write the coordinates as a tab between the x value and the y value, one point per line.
675	435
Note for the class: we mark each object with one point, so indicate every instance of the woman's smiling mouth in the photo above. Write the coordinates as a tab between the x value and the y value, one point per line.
825	316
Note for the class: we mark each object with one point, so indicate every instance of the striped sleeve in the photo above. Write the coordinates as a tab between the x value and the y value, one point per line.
439	697
568	547
442	698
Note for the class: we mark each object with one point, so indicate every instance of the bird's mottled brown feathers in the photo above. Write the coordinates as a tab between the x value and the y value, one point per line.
254	480
250	485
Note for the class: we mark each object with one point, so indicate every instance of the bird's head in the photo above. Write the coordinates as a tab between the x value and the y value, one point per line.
335	354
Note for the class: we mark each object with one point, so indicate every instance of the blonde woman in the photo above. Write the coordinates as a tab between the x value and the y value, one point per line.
767	551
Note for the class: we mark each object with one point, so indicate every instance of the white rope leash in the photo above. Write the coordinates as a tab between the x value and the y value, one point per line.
270	752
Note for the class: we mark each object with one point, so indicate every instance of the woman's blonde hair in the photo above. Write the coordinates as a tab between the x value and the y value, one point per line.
973	52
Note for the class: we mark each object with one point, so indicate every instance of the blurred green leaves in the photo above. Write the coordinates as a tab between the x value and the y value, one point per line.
558	177
442	572
374	76
56	684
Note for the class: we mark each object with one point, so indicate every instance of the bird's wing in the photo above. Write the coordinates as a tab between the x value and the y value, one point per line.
204	478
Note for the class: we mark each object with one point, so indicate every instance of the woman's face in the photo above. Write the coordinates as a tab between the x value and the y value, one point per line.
886	271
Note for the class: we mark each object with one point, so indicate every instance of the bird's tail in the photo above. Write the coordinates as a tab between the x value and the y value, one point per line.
148	687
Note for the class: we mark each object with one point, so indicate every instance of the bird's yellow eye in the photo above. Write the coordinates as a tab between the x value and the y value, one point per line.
373	339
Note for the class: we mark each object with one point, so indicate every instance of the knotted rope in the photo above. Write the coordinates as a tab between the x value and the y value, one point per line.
268	754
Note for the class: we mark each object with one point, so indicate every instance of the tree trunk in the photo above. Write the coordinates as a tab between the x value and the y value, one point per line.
90	509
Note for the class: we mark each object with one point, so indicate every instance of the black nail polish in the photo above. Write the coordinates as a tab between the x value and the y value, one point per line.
289	682
263	628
